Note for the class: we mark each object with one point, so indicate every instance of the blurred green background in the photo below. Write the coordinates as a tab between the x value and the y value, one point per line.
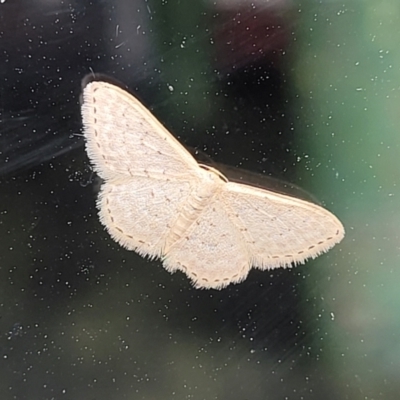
347	71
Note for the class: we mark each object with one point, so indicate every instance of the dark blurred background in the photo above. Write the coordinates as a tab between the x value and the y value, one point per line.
304	91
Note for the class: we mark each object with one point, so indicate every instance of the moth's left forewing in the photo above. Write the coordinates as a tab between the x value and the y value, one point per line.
278	229
124	139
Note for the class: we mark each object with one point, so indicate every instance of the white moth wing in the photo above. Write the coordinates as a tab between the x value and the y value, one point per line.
139	213
148	174
124	138
279	230
212	253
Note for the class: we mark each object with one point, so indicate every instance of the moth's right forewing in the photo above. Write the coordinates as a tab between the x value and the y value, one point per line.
280	230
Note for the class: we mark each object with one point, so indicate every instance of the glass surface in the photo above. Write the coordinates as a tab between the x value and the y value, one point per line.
303	91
